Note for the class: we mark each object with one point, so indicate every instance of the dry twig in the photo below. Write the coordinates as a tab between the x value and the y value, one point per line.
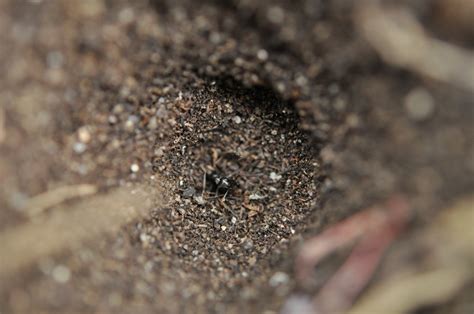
40	203
68	227
401	40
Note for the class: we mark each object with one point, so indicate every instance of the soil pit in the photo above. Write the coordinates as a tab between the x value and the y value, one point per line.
115	93
250	136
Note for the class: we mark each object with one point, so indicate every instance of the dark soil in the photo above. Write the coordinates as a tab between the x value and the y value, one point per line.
285	99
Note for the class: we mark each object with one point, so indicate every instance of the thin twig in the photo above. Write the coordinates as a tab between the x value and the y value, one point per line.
402	41
41	202
69	227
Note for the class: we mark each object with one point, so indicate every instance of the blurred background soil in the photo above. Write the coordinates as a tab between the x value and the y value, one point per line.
315	109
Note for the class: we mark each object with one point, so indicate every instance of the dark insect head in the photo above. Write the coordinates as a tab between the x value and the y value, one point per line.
219	183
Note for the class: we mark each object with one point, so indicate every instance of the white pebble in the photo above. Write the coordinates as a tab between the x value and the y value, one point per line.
298	304
275	177
84	134
419	104
278	278
112	119
276	15
262	55
131	122
134	168
79	147
152	124
237	119
199	199
61	274
256	197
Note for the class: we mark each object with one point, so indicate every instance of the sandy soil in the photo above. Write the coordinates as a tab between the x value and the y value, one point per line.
313	110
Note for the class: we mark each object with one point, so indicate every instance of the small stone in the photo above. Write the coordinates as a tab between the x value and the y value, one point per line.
162	112
199	199
419	104
134	168
256	197
133	118
144	238
252	260
275	177
189	192
237	119
301	80
298	304
262	55
278	278
131	122
112	119
118	109
61	274
79	147
84	135
223	228
126	15
276	15
152	124
248	245
160	151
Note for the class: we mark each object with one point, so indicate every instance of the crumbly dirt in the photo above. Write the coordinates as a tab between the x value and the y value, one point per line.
283	98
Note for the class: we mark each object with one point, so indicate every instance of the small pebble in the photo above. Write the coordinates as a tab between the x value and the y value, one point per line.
144	238
275	177
131	122
61	274
160	151
112	119
162	112
79	147
199	199
419	104
278	278
189	192
298	304
237	119
152	124
248	245
118	109
262	55
256	197
134	168
84	134
276	15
